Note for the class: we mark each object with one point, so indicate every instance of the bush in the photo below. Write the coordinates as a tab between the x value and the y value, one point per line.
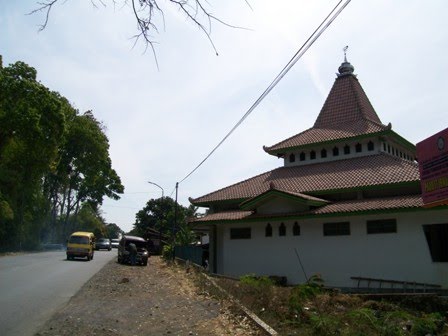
325	324
428	324
257	291
260	282
167	252
301	293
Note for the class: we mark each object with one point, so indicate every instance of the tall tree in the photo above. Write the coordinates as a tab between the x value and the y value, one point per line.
84	171
32	125
52	161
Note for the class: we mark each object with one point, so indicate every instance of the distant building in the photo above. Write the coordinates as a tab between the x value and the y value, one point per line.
347	202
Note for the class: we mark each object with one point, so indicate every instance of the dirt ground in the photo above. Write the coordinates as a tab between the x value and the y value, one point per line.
154	300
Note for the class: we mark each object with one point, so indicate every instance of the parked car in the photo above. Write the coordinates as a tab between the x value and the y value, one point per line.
124	253
103	243
114	242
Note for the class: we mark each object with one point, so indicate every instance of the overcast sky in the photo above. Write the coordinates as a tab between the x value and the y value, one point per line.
162	122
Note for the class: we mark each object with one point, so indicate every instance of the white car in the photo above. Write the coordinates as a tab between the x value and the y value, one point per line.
114	242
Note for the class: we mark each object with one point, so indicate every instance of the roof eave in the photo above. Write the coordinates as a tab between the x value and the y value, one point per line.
281	151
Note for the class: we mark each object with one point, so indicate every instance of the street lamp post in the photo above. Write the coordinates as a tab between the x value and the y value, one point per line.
163	192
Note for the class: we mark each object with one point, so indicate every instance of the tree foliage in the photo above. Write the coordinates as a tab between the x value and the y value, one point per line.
113	231
158	215
52	161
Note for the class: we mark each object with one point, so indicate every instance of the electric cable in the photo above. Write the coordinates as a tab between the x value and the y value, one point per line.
305	46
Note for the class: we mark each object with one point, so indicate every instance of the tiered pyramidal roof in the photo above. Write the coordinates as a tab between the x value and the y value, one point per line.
348	154
347	112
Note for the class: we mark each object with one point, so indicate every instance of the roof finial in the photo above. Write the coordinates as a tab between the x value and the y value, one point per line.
346	68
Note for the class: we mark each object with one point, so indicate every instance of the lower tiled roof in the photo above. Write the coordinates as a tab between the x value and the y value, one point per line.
353	206
374	170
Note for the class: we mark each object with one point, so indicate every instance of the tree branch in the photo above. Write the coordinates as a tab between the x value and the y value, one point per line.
146	12
44	6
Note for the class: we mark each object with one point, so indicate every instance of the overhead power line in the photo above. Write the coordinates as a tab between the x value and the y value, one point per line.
308	43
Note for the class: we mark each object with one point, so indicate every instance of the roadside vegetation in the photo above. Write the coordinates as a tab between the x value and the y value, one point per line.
312	309
55	168
162	218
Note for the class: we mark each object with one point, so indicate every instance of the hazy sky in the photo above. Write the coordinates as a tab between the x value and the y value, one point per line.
162	123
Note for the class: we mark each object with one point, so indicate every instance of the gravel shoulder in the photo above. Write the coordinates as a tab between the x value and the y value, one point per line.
159	299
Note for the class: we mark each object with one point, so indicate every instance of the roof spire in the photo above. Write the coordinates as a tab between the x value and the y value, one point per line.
345	53
346	68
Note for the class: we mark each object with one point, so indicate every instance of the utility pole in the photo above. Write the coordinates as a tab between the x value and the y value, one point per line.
175	221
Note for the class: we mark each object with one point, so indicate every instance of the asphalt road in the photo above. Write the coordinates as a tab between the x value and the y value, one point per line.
33	286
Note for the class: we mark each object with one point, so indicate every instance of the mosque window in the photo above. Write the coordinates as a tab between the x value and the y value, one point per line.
335	151
268	230
282	230
346	149
381	226
296	229
337	229
240	233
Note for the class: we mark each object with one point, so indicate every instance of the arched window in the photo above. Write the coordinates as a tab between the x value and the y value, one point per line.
346	149
358	148
370	146
312	155
335	151
296	229
323	153
292	158
302	156
268	230
282	230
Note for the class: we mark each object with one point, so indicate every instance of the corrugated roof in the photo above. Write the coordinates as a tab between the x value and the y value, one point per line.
374	170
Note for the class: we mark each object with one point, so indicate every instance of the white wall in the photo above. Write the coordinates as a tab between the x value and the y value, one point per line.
400	256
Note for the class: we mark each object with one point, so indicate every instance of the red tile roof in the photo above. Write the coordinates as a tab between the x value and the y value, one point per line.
225	215
374	170
347	112
250	203
352	206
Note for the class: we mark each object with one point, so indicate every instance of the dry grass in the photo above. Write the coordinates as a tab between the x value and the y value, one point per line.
313	310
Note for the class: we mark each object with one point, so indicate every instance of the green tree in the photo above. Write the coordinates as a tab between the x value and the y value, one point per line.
53	162
84	171
158	216
32	125
88	219
113	231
